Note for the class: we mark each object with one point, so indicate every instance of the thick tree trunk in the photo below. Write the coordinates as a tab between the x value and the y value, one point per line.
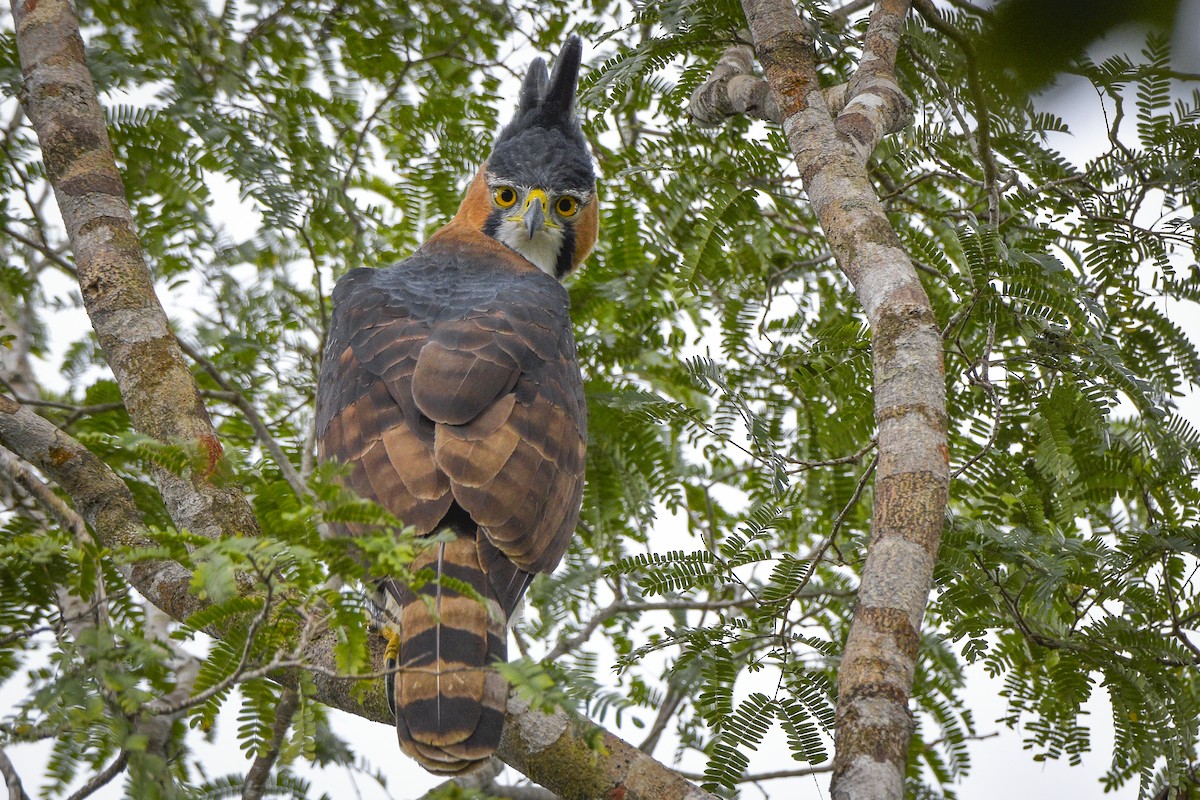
831	147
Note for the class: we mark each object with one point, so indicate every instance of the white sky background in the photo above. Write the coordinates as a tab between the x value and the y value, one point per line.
1001	768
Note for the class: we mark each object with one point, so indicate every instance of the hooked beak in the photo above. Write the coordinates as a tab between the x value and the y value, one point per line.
534	218
534	215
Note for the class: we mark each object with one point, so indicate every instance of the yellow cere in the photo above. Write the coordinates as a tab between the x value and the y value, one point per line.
536	194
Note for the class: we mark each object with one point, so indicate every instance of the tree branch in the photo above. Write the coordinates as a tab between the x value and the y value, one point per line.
101	498
550	747
261	431
911	484
875	106
15	790
102	778
117	289
734	90
260	770
48	252
554	750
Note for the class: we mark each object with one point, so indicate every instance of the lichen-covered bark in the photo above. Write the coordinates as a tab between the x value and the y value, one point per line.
578	761
831	148
129	321
99	496
733	89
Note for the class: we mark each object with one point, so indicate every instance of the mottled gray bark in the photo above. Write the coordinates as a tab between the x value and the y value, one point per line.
831	147
117	289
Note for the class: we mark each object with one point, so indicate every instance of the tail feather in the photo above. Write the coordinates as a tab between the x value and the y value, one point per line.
449	702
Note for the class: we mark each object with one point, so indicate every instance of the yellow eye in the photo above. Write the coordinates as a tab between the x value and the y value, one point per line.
505	197
566	206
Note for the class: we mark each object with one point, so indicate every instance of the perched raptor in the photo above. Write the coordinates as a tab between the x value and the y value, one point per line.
450	387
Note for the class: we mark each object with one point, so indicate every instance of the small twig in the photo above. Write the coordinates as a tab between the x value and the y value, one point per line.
975	84
975	737
853	458
619	607
819	553
101	779
238	674
252	416
85	613
853	7
666	711
599	618
260	770
983	379
45	250
98	408
768	776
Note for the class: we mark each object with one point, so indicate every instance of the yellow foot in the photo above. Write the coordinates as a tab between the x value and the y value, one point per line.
391	656
392	653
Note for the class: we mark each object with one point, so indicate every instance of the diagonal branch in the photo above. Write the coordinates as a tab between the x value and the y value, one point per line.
16	791
260	770
101	498
102	778
117	289
252	416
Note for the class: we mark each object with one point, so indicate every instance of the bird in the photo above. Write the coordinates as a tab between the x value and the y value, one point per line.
450	390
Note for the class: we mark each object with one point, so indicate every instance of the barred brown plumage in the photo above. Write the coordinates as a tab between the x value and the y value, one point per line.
450	387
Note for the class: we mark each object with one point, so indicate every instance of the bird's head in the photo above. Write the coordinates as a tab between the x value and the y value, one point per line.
539	183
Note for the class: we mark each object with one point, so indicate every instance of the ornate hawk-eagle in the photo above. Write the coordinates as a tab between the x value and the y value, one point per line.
450	387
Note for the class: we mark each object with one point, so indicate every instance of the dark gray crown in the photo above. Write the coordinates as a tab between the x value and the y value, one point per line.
543	144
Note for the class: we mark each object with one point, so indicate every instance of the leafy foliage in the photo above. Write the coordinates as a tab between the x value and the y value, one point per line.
267	149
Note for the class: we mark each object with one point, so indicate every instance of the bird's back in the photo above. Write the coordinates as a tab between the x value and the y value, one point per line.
449	387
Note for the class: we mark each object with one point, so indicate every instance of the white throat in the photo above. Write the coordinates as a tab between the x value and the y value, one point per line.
542	250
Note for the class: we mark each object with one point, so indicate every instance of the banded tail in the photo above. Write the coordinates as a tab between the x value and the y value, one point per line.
448	701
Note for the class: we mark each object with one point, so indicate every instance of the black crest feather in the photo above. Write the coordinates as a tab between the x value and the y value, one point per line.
544	144
534	86
548	101
560	97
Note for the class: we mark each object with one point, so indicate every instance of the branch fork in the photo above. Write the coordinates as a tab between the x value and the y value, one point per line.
865	109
